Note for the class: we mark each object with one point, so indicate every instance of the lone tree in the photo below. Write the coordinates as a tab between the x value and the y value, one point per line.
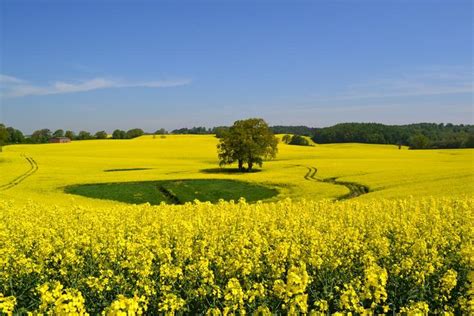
247	142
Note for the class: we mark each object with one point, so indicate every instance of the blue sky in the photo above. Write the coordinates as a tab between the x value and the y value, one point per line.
97	65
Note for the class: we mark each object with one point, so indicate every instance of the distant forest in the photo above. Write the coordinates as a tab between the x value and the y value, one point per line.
416	136
11	135
218	130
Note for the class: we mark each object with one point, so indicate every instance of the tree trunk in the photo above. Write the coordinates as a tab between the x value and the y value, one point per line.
250	167
241	165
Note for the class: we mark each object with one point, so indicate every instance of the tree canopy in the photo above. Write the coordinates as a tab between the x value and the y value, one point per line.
248	142
58	133
3	135
419	141
119	134
134	132
101	135
40	136
161	131
299	141
70	134
296	130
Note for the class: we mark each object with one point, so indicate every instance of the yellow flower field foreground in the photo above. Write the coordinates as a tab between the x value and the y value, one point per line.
379	256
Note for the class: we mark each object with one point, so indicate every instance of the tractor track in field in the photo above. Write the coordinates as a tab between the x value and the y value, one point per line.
22	177
355	189
170	196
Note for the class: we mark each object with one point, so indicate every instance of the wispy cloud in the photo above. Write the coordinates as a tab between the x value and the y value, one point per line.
12	87
4	79
425	82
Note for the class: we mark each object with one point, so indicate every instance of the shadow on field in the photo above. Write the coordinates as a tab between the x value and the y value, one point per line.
126	169
227	171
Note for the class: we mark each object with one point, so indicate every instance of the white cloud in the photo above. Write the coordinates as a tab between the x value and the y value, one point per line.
158	84
13	87
4	79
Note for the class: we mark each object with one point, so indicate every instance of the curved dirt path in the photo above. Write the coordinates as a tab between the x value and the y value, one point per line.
355	189
22	177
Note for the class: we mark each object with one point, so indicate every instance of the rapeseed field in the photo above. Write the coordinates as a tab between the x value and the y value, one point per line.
405	246
362	257
387	171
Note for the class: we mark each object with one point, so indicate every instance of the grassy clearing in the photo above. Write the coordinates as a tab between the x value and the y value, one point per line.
174	192
128	192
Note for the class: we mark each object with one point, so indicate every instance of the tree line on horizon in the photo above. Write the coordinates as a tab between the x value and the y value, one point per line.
219	130
416	136
11	135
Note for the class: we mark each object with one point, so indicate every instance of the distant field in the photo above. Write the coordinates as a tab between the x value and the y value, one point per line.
387	171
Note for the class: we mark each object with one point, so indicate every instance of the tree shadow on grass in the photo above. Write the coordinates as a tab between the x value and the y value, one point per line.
126	169
228	171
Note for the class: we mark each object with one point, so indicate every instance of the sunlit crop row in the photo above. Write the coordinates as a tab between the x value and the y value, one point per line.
380	256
